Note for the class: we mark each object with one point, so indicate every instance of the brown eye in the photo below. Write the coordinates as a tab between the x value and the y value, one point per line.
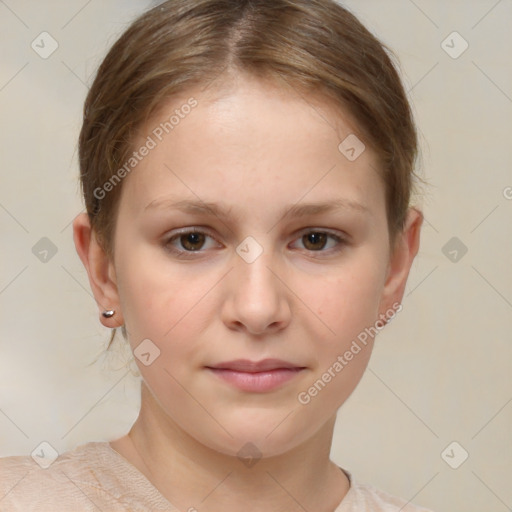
324	243
192	241
314	241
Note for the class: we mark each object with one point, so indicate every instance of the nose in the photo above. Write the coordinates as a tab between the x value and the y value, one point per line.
257	300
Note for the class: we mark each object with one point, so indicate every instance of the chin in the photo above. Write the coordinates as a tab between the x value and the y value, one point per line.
268	437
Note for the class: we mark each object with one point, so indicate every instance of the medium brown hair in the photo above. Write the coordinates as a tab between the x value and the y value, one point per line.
316	46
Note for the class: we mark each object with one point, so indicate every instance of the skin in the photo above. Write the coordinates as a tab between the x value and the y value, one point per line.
257	149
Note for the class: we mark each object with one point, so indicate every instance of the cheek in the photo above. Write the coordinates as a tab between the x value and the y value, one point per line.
348	305
157	298
172	308
349	301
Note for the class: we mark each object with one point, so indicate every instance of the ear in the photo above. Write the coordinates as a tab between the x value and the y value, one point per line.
400	262
100	269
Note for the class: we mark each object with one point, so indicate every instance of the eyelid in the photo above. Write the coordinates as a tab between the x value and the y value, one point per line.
333	232
189	229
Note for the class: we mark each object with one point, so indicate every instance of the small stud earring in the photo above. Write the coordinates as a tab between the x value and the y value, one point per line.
109	313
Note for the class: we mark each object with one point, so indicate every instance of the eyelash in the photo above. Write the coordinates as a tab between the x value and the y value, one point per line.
188	254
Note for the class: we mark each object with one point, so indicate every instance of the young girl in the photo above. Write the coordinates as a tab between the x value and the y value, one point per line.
246	167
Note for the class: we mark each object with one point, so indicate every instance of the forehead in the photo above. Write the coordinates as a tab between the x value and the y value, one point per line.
251	138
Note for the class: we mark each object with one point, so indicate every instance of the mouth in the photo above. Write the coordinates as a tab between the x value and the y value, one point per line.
256	376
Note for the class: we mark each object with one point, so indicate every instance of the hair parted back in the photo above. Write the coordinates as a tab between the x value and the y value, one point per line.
314	45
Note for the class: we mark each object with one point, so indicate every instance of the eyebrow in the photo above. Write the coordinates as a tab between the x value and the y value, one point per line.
223	212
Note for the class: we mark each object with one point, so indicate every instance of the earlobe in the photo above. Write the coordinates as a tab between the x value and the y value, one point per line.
401	259
99	269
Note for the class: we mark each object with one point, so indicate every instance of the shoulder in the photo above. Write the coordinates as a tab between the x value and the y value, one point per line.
362	497
82	479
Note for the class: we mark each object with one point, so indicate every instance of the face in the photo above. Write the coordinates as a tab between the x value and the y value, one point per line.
246	234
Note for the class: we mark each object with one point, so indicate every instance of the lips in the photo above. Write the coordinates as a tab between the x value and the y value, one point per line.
248	366
256	376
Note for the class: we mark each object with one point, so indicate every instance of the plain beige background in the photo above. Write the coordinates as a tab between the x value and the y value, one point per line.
441	371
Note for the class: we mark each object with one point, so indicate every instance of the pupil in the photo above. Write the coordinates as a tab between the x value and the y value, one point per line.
316	238
192	239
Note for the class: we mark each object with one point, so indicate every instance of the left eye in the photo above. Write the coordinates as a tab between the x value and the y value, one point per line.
318	240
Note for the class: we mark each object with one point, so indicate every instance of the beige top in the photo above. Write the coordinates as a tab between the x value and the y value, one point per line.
94	477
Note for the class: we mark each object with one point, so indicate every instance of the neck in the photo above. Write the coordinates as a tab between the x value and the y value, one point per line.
193	476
